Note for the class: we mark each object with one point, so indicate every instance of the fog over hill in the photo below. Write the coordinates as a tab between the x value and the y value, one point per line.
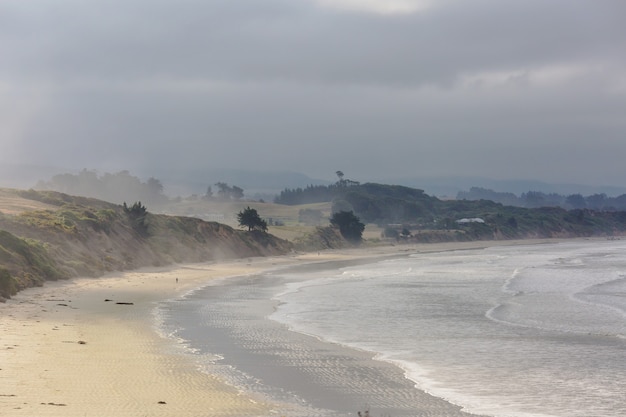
450	186
266	184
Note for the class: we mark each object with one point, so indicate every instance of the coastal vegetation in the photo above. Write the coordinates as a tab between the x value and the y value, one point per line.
250	218
408	214
349	225
49	235
73	236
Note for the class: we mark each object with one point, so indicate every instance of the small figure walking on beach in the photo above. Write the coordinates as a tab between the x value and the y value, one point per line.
177	280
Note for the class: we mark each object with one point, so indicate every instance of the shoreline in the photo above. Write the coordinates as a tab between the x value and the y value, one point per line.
65	351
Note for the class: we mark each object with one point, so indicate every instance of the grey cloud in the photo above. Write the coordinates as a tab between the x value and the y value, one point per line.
509	89
290	40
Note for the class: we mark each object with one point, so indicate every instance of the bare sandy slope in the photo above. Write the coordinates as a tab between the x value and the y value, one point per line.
12	203
66	351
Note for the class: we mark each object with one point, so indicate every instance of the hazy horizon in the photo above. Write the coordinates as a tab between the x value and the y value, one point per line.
380	89
267	184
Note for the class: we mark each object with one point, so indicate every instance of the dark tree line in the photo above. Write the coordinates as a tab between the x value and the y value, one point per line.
314	193
309	195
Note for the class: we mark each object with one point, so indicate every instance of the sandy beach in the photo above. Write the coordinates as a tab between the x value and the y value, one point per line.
88	347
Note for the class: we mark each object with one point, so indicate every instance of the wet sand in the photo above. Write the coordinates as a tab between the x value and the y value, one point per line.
88	346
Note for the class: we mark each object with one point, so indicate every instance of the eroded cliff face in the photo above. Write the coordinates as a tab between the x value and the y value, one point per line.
61	236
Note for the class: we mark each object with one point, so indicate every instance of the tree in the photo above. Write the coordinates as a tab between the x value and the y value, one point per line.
533	199
209	193
153	190
250	218
154	186
236	192
349	225
137	214
226	192
223	190
576	201
340	204
596	201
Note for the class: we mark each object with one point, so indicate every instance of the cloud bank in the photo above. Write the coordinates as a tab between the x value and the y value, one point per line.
519	89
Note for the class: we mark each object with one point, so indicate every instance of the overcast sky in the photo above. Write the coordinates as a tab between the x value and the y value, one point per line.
520	89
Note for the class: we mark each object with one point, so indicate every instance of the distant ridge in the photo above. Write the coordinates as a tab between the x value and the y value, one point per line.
273	182
450	186
265	184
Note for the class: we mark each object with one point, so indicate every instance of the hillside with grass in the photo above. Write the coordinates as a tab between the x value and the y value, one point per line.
409	214
46	235
394	213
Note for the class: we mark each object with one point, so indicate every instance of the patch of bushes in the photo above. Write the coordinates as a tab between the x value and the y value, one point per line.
137	213
46	219
8	286
28	255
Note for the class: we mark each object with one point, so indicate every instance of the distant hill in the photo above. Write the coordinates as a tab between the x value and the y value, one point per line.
425	218
450	186
267	184
534	199
256	184
123	185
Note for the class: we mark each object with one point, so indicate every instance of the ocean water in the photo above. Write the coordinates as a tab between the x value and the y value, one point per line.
537	330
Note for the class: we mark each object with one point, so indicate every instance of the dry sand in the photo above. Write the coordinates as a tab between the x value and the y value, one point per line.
65	351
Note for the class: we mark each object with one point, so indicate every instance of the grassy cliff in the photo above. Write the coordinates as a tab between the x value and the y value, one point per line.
45	235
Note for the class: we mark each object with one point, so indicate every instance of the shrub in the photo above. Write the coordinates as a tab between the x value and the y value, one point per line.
7	284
